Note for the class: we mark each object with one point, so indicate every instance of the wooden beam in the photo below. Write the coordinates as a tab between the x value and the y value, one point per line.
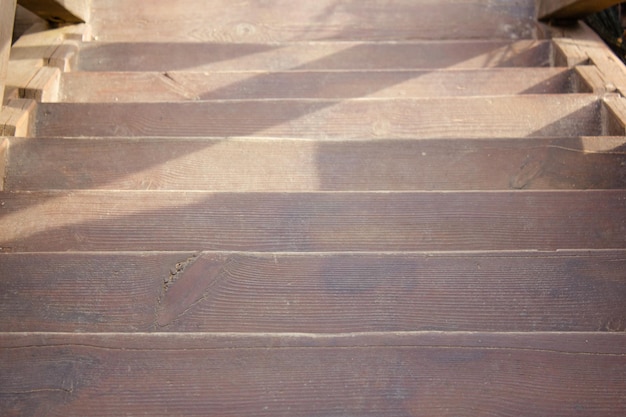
571	9
7	16
58	11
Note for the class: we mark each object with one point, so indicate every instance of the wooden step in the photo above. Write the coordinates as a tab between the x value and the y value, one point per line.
314	293
87	87
288	20
301	165
311	222
102	56
395	375
458	117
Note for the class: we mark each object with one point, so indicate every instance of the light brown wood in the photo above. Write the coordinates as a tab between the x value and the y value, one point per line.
408	55
322	20
382	374
185	85
571	9
312	222
579	44
320	293
17	117
59	11
466	117
7	16
34	57
296	165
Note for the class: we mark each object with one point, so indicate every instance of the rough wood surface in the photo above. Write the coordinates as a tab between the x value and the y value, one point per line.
172	56
317	293
464	117
571	9
184	85
421	374
433	221
297	165
289	20
7	16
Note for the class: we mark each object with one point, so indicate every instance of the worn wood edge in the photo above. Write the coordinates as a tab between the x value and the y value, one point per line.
39	75
571	9
593	343
614	110
17	118
44	86
580	45
591	80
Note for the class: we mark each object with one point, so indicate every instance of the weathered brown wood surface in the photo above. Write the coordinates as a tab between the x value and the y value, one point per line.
315	293
182	85
370	375
330	165
332	208
323	20
402	221
362	55
363	118
572	9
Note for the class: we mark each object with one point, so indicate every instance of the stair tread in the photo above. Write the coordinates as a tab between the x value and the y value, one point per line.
245	164
314	293
187	85
128	56
310	222
452	117
280	20
300	375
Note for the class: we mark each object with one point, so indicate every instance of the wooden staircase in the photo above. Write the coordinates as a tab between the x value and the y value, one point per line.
330	208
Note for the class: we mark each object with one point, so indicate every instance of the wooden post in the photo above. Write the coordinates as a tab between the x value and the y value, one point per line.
7	16
58	11
571	9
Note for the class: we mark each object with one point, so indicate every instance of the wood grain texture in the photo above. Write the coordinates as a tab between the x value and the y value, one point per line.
454	117
58	11
318	293
7	16
297	165
118	221
571	9
392	375
146	87
172	56
289	20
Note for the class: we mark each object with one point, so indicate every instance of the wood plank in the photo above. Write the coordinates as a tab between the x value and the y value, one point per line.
183	85
572	9
413	375
172	56
296	165
579	42
289	20
16	118
319	293
312	222
7	17
59	11
464	117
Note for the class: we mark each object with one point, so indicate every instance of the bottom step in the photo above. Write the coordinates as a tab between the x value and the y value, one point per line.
389	374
